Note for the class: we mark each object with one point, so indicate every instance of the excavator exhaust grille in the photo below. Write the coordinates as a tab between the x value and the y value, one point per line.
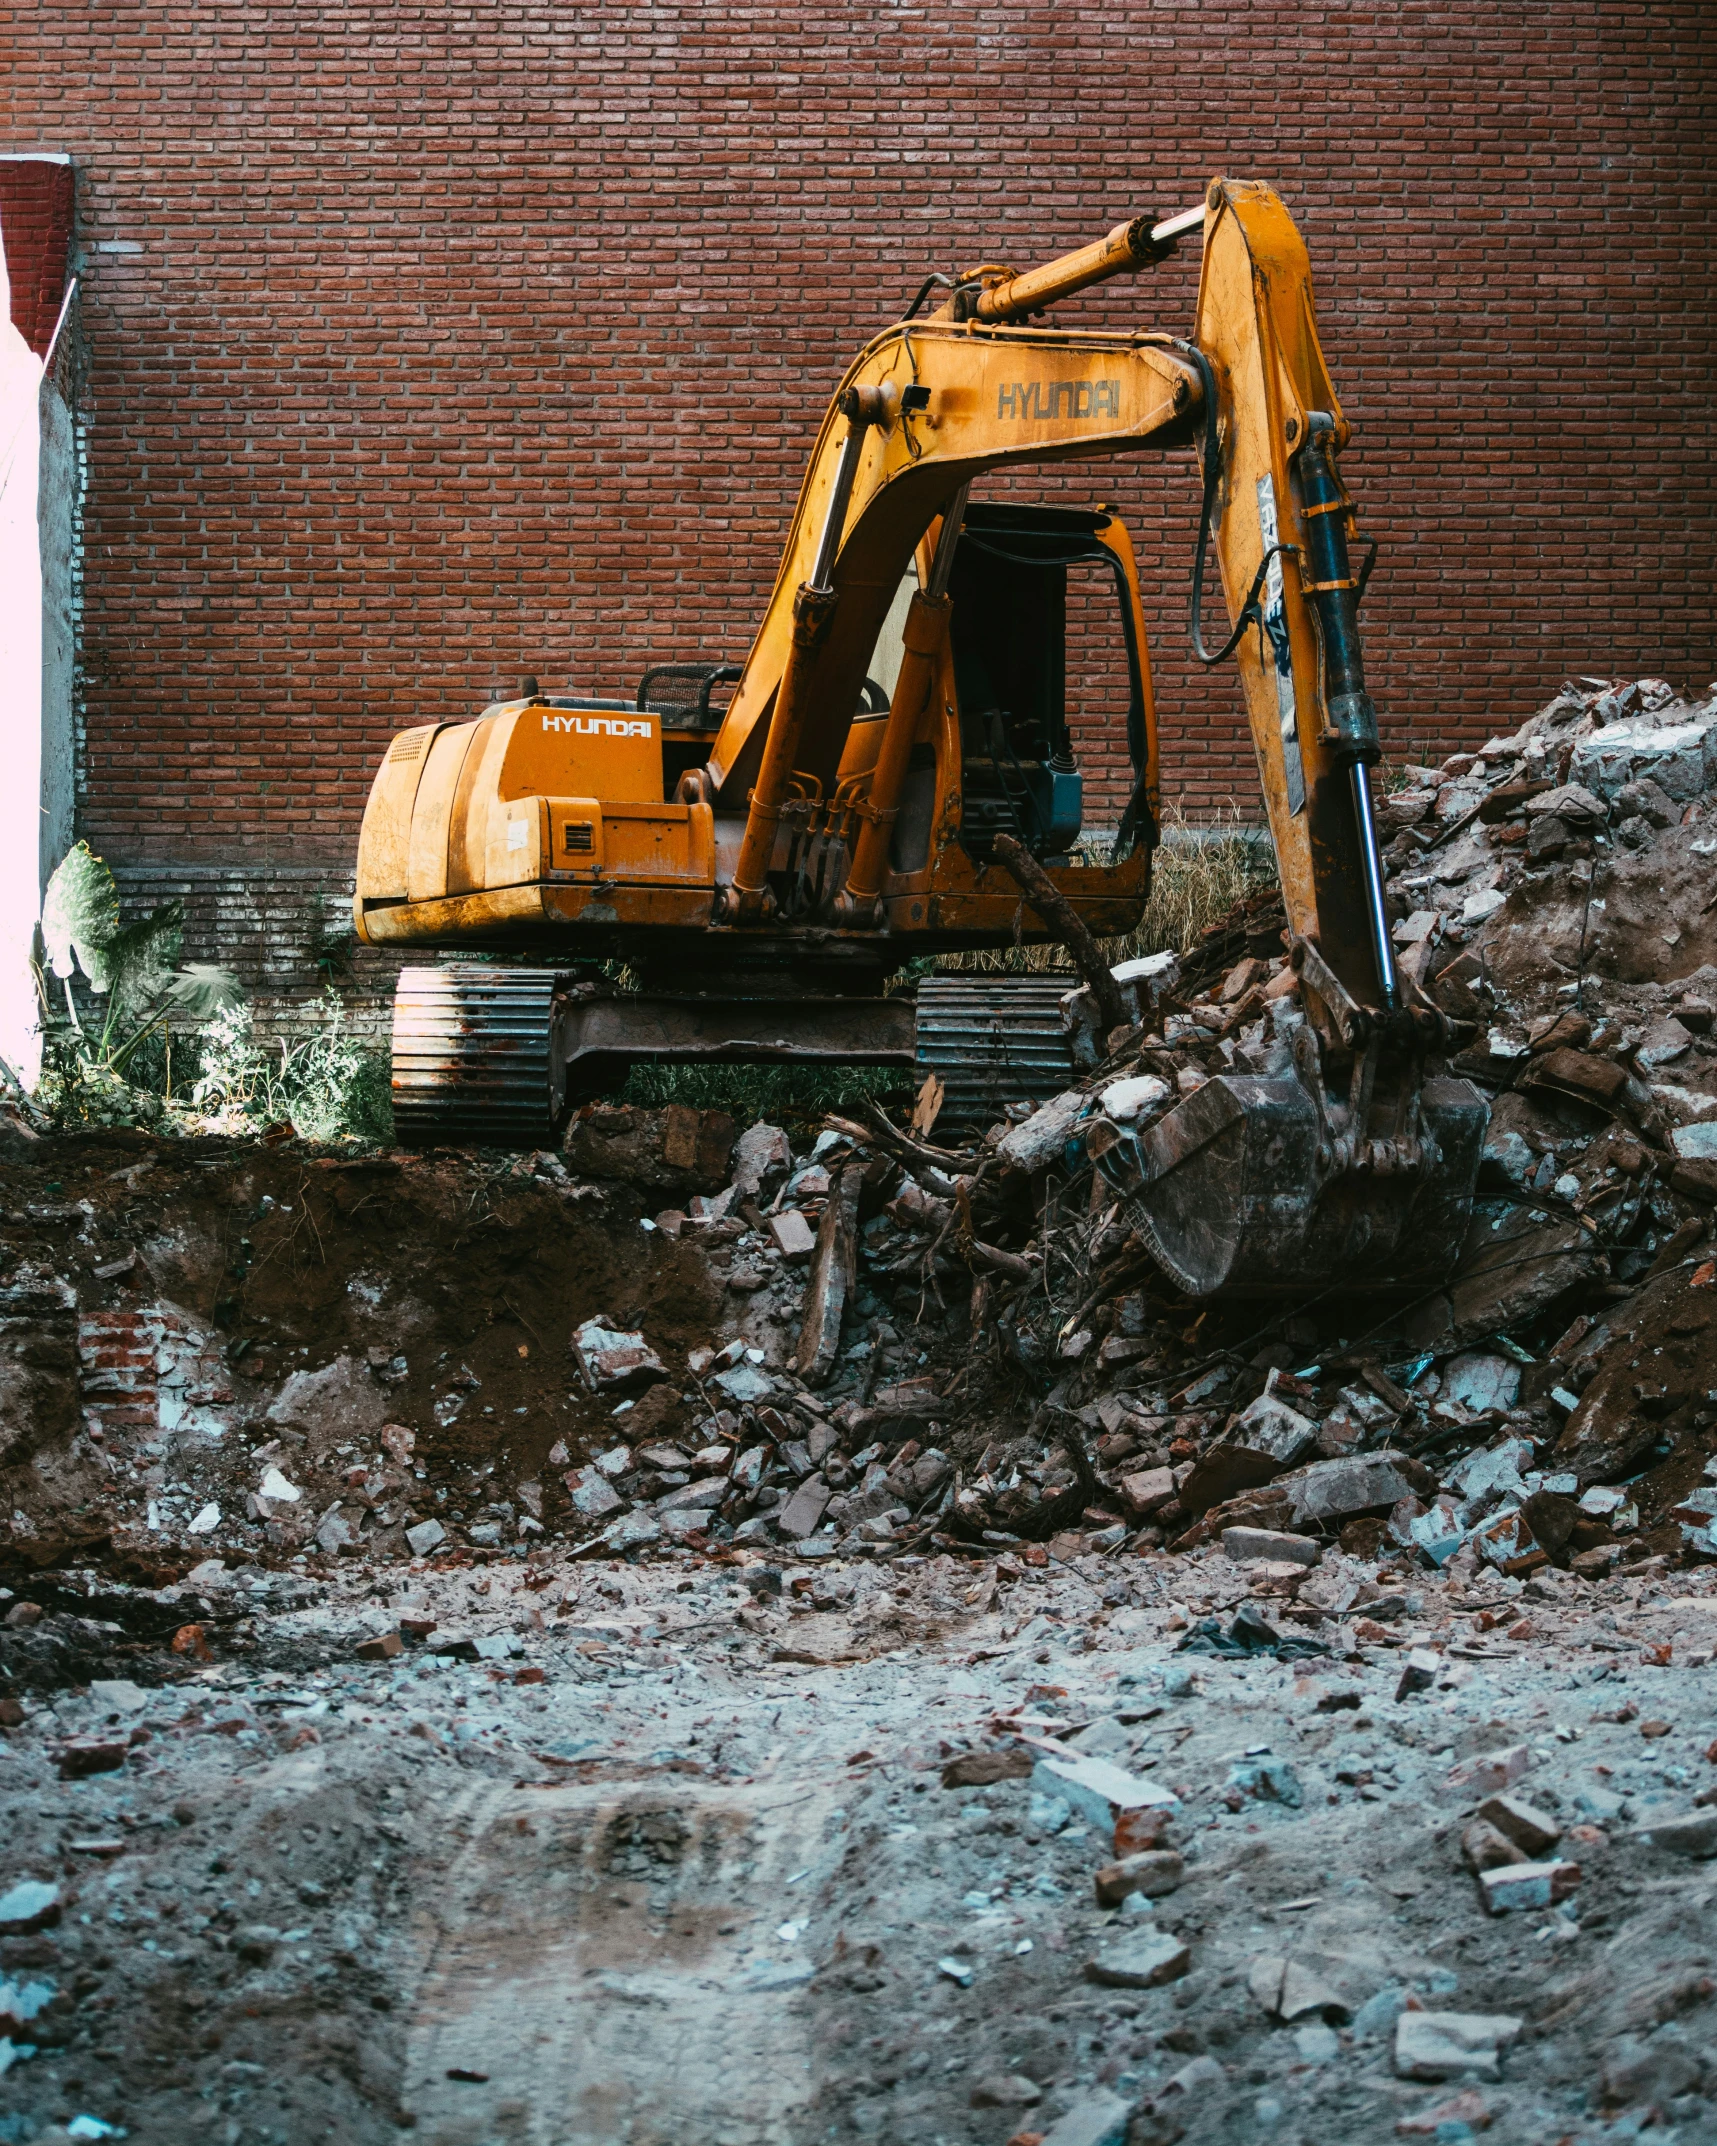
473	1057
993	1040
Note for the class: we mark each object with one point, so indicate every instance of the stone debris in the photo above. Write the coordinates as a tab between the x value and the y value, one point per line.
1006	2090
1140	1961
1692	1834
1100	2119
1468	2110
1508	1887
1289	1991
1528	1828
1154	1872
1118	1803
1248	1546
30	1904
1452	2045
613	1359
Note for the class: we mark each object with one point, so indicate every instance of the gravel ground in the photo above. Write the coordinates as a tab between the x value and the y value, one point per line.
669	1855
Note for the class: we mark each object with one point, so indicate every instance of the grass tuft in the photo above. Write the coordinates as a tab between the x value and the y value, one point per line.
783	1094
1197	876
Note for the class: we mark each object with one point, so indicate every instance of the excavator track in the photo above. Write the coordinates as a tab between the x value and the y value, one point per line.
473	1056
993	1040
480	1052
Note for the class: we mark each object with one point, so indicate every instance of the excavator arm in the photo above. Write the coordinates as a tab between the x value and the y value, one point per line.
1283	526
927	409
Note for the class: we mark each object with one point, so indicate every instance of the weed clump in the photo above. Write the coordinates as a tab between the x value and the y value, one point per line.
327	1085
1198	875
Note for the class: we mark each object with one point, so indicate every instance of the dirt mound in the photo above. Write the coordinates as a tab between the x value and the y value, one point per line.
179	1308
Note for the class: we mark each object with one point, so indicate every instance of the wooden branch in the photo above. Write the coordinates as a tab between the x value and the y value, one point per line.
902	1145
1000	1262
1068	926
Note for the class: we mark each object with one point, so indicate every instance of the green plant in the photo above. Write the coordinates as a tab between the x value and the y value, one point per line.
792	1092
327	1085
91	1067
333	942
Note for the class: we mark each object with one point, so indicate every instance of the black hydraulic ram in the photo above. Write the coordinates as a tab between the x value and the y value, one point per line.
1334	592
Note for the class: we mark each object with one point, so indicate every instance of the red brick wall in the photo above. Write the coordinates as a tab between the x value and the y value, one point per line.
36	230
470	341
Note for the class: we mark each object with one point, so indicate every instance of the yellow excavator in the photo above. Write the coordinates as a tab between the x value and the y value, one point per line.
764	866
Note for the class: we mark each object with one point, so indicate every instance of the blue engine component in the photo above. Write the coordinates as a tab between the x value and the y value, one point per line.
1058	794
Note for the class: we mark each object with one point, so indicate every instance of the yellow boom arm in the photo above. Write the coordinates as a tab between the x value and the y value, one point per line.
927	408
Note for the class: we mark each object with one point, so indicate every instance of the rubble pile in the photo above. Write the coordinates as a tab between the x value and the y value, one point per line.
667	1482
1552	1404
881	1342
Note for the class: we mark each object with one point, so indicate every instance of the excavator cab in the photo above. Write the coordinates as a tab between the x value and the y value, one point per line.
1022	681
1046	674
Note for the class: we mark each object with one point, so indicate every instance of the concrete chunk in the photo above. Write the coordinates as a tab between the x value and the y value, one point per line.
118	1695
1039	1141
1271	1427
1681	758
615	1359
1100	2119
1512	1886
1251	1545
1101	1793
793	1235
1140	1961
708	1491
31	1904
1487	1773
340	1400
1694	1834
1444	2045
1006	2090
762	1156
803	1512
1289	1990
1570	801
591	1493
1354	1483
628	1531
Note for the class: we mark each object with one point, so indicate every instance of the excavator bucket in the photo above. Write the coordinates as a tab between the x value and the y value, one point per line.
1244	1189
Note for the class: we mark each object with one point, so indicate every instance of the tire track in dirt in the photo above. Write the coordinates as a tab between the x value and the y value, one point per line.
608	1957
